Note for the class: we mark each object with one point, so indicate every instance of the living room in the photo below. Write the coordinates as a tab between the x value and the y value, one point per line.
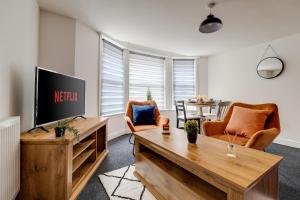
124	53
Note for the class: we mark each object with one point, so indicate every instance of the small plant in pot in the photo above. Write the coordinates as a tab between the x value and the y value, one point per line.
62	126
149	95
191	127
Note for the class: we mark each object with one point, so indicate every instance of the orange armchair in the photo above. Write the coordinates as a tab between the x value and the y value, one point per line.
160	120
260	140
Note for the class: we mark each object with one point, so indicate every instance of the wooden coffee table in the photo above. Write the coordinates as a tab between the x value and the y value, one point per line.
171	168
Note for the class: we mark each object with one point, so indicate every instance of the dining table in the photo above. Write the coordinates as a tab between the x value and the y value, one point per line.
202	104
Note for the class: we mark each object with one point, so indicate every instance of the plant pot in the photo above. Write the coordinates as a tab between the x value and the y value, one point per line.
59	132
192	137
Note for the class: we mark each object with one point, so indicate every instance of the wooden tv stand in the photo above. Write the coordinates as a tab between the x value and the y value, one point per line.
59	168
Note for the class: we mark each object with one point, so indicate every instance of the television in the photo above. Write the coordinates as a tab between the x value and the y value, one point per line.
57	96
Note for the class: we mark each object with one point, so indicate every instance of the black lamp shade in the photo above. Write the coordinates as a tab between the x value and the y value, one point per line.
210	24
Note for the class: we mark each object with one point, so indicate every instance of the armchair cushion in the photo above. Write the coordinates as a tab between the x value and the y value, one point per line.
143	115
246	122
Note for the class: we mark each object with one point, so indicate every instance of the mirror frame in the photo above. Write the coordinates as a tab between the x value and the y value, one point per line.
282	63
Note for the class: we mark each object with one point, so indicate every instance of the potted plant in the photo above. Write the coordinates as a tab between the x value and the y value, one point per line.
62	126
192	129
149	95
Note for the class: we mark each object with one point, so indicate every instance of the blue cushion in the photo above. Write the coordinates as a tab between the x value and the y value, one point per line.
143	115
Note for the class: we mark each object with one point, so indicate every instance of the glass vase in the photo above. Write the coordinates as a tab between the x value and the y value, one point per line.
231	150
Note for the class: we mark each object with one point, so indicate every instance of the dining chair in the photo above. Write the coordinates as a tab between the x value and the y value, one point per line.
222	109
183	116
209	115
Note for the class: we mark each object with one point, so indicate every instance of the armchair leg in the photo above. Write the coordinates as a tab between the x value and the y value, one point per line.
133	143
199	125
130	139
133	149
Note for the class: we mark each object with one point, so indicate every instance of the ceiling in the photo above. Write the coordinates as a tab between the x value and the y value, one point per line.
172	25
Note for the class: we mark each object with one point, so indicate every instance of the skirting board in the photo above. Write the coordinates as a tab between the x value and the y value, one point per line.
287	142
117	134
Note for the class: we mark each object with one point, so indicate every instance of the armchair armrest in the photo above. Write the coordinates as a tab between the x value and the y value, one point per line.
129	123
213	127
261	139
162	120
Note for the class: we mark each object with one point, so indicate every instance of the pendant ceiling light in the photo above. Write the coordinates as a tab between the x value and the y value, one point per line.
211	23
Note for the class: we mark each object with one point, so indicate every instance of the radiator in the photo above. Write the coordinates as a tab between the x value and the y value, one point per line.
10	158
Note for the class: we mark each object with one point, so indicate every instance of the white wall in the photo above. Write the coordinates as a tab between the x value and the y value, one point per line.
201	76
87	65
232	76
168	83
18	58
171	114
117	126
57	42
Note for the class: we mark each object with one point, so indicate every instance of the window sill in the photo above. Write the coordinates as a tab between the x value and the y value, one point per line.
111	115
123	113
161	110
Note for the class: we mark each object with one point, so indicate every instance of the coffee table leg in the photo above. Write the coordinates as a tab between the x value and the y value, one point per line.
265	188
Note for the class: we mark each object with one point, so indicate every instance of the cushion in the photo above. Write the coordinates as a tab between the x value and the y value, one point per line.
143	115
245	122
240	140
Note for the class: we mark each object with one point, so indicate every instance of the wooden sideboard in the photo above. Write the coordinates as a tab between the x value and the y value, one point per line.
59	168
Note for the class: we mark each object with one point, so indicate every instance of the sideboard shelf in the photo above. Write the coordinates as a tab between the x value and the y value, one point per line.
77	162
59	168
80	147
77	176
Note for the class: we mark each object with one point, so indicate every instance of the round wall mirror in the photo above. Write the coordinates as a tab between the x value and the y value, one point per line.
270	67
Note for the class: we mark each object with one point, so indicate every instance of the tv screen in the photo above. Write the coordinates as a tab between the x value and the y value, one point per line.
57	96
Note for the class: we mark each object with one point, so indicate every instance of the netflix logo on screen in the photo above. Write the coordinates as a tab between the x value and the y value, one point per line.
64	96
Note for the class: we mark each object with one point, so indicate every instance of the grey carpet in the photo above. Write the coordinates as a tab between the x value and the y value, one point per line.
289	171
120	155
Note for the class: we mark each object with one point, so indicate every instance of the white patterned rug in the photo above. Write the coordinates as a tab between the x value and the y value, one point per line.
122	184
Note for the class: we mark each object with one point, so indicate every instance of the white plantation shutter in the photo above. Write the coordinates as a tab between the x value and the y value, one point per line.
112	80
147	72
183	79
